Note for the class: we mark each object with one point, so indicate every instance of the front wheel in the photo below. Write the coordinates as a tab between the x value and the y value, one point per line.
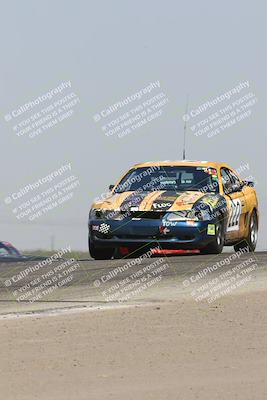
250	242
99	253
216	246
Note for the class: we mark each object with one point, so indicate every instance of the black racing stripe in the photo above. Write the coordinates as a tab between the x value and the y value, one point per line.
165	200
134	200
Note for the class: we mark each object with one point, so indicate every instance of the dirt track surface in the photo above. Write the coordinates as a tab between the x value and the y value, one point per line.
173	340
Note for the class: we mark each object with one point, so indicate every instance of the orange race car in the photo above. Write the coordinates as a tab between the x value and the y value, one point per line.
175	205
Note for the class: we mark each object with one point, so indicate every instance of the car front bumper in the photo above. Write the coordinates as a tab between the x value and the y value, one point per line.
138	232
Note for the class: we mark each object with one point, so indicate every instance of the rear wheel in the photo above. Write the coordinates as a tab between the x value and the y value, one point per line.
250	242
99	253
216	246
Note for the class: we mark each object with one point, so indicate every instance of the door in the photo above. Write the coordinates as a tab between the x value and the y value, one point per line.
236	202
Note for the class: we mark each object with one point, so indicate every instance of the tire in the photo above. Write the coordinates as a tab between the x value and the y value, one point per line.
216	246
250	241
99	253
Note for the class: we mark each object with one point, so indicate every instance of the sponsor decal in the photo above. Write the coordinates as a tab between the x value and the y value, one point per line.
164	230
189	198
161	205
234	215
211	229
165	200
104	228
212	171
208	170
169	223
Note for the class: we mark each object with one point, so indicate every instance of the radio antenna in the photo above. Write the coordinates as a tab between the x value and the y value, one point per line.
185	126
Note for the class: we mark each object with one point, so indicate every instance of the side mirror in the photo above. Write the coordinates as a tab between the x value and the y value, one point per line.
236	187
111	187
249	183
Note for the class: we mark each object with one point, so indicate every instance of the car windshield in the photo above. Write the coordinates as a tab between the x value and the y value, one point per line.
172	178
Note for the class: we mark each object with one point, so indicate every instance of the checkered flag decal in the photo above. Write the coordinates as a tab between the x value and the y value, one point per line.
104	228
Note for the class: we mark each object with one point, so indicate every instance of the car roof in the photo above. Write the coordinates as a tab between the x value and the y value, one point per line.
5	243
192	163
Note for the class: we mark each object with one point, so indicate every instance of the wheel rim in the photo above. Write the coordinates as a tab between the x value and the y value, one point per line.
253	230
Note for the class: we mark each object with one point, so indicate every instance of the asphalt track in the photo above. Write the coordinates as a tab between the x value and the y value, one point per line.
28	287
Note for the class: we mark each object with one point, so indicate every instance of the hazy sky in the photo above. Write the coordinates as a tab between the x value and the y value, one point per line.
110	50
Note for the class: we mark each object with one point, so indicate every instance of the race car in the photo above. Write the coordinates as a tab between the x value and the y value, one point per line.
7	250
201	205
9	253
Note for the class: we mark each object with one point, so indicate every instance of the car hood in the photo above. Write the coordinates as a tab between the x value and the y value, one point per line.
155	201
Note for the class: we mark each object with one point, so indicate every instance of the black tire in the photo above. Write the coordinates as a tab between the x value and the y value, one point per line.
99	253
250	242
216	246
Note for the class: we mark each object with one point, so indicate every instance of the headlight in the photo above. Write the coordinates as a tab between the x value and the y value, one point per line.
203	215
105	214
93	213
177	215
202	212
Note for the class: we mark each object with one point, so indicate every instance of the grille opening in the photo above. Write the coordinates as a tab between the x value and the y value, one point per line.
146	214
